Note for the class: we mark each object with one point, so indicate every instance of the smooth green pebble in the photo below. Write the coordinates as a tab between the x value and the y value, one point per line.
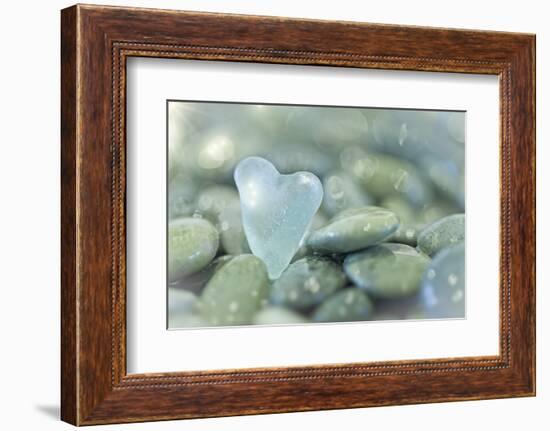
354	229
230	227
443	294
192	244
346	305
388	271
236	291
442	233
274	315
307	282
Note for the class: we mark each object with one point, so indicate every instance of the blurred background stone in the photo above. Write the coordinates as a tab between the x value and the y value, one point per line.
443	292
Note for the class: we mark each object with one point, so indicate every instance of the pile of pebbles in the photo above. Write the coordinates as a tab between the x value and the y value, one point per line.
386	244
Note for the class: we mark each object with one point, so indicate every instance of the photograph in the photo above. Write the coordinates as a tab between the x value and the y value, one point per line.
298	214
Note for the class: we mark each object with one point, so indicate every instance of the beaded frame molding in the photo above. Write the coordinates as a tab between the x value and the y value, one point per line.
95	43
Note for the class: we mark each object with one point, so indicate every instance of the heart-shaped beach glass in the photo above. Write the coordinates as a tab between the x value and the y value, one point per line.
276	210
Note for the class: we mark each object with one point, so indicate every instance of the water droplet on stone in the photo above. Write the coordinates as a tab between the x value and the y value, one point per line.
402	134
452	279
457	296
233	307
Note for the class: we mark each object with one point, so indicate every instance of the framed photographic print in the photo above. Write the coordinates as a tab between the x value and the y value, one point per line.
265	215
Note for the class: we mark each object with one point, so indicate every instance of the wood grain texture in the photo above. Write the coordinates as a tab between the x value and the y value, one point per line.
69	370
96	41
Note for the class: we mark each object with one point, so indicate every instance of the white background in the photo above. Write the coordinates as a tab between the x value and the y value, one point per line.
153	349
29	228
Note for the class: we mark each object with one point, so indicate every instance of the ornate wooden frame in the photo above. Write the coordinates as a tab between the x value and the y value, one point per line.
95	43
